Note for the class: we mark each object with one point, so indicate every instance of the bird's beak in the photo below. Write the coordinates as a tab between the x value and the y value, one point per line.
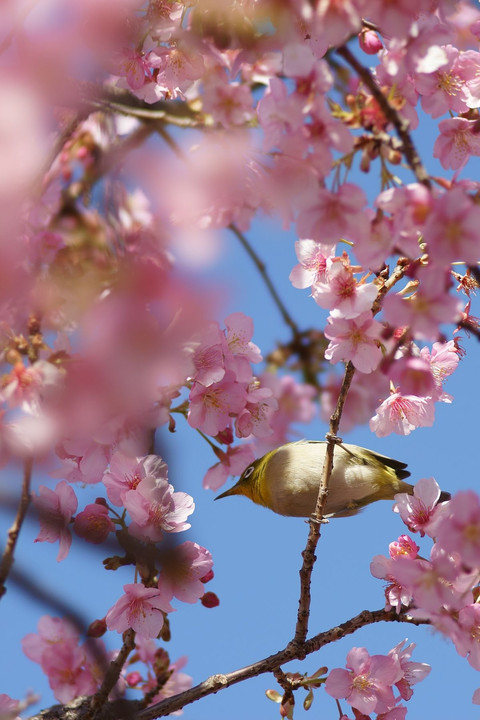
232	491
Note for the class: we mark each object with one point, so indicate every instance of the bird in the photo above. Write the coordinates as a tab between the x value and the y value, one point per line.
287	479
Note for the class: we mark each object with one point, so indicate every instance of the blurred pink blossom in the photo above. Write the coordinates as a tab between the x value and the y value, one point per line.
55	509
140	608
183	570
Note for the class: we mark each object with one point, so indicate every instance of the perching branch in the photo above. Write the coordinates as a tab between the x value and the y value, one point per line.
308	554
12	536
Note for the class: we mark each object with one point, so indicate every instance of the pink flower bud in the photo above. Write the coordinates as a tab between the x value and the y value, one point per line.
225	436
210	600
93	524
369	41
133	679
97	628
207	577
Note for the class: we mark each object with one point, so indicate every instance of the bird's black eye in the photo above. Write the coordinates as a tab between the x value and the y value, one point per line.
248	471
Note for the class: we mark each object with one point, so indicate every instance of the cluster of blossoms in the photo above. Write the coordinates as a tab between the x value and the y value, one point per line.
368	682
75	669
443	589
140	487
224	393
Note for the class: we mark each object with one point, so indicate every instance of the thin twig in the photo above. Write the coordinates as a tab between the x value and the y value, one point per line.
12	537
266	278
394	278
113	671
470	328
219	682
401	125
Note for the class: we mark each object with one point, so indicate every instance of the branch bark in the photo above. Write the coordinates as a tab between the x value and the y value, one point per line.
12	536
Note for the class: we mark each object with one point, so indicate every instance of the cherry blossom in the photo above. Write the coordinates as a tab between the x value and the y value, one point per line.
333	216
396	595
401	414
370	42
211	408
420	511
410	206
228	103
239	341
413	376
56	648
451	231
52	632
341	292
156	509
55	509
93	523
125	473
312	257
279	114
425	310
466	637
446	88
183	570
232	462
354	339
413	672
382	567
458	140
254	419
459	531
25	386
367	682
443	359
295	404
436	584
140	608
9	708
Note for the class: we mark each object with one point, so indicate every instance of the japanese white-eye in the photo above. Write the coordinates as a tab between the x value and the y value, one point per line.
287	479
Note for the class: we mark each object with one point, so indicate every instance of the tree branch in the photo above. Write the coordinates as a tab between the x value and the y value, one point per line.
221	681
401	125
266	278
12	536
113	672
315	521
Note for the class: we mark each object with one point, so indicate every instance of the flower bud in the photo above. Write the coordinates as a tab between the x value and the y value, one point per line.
210	600
207	577
369	42
97	628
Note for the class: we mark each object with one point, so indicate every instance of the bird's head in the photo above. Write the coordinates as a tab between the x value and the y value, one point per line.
252	482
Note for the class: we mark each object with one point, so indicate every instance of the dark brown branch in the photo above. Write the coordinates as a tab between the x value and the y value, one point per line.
219	682
401	125
113	672
308	554
12	536
470	328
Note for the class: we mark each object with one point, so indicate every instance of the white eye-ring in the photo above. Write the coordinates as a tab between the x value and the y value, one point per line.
248	471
